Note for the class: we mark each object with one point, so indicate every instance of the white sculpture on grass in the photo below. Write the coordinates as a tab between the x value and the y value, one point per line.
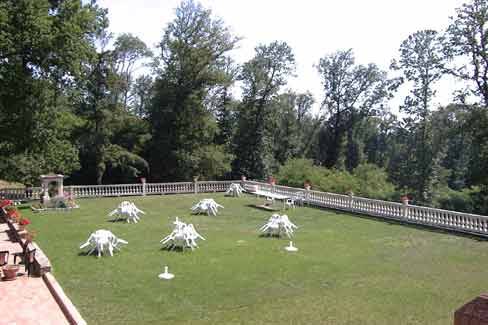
183	235
277	225
234	190
127	210
291	248
166	275
208	206
102	240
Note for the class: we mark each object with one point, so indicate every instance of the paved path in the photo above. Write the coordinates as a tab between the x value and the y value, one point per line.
26	300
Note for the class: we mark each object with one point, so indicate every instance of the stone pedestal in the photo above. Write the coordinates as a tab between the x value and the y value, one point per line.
474	312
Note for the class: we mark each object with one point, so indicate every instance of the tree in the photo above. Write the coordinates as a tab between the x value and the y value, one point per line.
141	95
110	139
351	93
291	126
128	50
467	38
194	49
422	64
44	46
262	78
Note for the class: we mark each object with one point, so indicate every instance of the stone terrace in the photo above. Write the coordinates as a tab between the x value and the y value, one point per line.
26	300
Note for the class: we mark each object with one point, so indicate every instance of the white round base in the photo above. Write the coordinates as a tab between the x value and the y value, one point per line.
291	249
166	276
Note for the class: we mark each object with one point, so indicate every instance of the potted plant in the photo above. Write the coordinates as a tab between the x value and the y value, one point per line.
10	272
404	199
23	222
13	214
29	236
272	181
5	203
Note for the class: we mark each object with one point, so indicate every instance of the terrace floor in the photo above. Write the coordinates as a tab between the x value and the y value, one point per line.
348	270
26	300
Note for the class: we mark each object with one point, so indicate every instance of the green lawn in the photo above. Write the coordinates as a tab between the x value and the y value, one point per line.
349	270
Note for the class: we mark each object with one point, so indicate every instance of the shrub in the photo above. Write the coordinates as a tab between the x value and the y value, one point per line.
449	199
373	182
367	180
337	181
295	171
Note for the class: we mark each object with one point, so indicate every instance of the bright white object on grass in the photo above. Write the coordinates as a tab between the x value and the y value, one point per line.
277	225
166	275
183	235
291	248
127	210
234	190
208	206
102	240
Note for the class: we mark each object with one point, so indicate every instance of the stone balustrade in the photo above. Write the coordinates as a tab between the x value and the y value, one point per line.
452	220
87	191
438	218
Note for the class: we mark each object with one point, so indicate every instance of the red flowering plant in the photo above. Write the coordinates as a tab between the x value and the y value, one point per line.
6	203
13	214
24	222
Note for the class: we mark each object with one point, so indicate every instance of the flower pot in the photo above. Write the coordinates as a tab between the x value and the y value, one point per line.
10	272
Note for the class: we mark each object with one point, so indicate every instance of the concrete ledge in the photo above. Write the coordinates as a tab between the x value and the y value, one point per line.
69	310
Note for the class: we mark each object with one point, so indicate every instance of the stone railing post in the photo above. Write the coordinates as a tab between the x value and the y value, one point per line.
195	184
144	188
404	209
351	201
243	181
307	194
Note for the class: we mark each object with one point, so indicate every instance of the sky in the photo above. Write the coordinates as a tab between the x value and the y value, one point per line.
374	29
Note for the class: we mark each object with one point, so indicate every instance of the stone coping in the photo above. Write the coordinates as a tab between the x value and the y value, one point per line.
63	301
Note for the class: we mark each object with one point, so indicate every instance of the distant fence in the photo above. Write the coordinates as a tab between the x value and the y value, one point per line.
87	191
452	220
438	218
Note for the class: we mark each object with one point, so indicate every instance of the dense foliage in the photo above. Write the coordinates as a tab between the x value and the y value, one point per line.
71	102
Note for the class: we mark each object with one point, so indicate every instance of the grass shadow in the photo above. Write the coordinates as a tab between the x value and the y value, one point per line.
174	248
276	236
117	220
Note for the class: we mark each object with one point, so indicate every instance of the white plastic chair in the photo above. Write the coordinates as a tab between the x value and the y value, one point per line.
290	203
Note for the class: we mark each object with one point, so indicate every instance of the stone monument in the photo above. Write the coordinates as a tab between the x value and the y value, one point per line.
48	179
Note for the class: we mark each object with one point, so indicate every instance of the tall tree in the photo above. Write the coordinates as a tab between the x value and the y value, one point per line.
422	64
351	93
467	38
141	95
194	49
128	51
44	46
262	78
